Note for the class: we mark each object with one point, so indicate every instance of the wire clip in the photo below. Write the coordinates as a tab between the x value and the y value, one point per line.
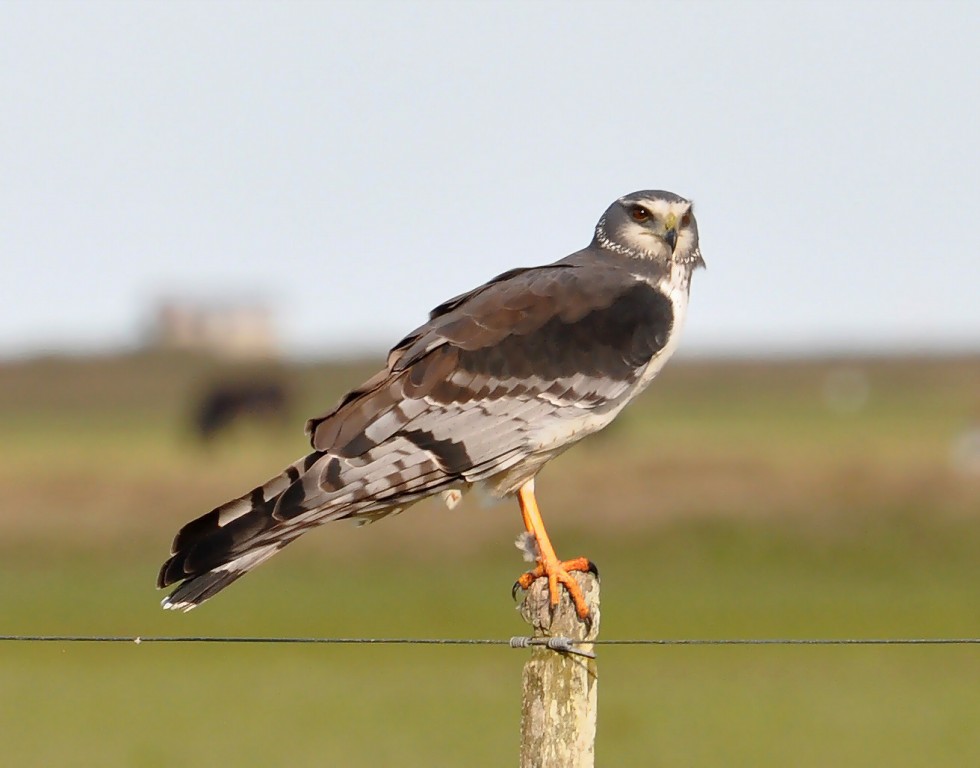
558	644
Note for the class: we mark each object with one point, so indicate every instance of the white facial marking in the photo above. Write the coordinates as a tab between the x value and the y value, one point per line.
662	208
640	242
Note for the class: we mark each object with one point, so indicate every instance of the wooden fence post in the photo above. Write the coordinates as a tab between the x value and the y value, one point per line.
558	715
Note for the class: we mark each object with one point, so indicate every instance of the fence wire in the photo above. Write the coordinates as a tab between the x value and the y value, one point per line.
513	642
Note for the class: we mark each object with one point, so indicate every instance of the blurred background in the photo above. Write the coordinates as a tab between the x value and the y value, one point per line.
215	218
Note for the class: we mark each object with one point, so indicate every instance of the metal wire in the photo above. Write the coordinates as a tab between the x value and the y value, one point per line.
800	641
138	640
559	644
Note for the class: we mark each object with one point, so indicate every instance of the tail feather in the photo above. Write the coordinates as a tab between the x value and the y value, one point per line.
199	588
258	499
214	550
214	547
218	548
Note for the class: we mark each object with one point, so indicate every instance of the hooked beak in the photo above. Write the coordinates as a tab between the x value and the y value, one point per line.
670	235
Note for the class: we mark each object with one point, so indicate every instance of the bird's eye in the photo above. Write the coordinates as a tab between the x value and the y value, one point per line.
639	213
686	219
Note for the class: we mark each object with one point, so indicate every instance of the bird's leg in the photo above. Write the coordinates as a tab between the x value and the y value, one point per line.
548	563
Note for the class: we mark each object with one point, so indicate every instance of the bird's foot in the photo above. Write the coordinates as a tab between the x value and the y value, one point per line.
559	572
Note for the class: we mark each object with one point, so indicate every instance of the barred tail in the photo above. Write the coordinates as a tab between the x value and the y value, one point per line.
218	548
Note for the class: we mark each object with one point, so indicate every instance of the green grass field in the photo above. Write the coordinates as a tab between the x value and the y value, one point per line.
733	500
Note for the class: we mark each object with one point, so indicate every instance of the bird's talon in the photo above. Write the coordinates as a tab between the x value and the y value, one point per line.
559	575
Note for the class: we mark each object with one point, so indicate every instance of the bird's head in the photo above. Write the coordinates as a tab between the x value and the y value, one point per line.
651	224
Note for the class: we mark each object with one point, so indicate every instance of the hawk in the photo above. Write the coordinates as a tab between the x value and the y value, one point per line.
498	382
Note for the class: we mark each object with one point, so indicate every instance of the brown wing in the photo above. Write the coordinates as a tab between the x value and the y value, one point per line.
561	336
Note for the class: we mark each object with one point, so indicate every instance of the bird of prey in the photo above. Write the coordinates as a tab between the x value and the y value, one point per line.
498	382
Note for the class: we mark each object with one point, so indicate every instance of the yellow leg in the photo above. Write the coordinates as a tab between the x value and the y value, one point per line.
548	563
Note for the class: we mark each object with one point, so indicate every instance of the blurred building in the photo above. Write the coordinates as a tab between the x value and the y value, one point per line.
240	330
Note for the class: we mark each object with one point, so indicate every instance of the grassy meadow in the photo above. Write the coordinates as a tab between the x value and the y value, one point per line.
735	499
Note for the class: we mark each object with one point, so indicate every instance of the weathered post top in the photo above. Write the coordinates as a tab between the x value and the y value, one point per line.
558	718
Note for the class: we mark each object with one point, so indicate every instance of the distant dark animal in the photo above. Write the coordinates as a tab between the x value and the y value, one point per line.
224	404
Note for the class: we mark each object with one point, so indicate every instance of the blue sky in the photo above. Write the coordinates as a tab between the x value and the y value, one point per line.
354	164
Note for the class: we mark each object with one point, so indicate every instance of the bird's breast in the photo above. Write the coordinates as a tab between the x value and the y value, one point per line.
675	286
